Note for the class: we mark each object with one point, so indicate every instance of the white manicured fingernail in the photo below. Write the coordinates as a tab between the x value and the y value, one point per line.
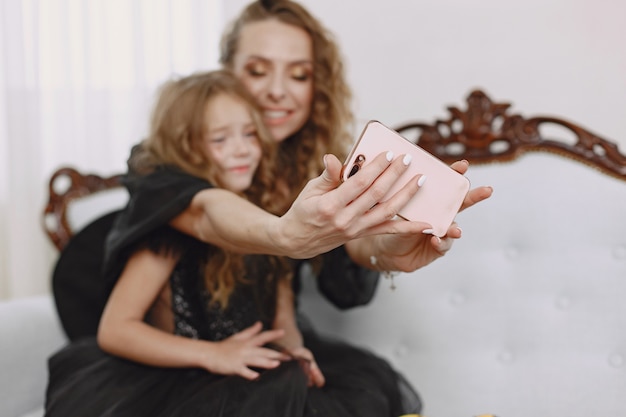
421	180
389	156
407	159
428	231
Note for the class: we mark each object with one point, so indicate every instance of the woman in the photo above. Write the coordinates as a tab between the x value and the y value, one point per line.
292	66
195	330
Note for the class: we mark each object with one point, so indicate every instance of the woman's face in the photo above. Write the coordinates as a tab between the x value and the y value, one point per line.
275	62
231	142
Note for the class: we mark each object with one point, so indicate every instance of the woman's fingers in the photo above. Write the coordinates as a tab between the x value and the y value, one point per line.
460	166
476	195
372	182
331	177
365	190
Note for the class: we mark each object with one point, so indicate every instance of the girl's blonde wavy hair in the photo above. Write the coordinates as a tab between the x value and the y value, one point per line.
177	130
329	127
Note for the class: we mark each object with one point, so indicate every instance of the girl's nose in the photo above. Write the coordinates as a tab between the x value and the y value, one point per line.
241	144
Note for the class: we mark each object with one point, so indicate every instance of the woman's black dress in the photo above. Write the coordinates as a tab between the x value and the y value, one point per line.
84	381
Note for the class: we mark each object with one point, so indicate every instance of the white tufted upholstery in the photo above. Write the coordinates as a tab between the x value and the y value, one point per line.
526	315
29	332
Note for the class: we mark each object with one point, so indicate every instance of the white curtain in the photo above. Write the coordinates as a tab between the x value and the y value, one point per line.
77	80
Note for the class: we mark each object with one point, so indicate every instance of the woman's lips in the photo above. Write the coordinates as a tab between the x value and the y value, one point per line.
276	117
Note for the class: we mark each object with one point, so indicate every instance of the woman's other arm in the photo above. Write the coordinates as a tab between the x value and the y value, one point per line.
410	250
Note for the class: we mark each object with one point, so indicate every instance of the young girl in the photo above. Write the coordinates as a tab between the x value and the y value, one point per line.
193	313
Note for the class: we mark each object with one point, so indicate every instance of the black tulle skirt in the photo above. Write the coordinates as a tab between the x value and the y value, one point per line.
85	382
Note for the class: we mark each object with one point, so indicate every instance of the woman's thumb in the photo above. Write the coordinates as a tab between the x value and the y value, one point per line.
332	173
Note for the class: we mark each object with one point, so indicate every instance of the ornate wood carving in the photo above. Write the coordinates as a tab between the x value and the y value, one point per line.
486	132
55	221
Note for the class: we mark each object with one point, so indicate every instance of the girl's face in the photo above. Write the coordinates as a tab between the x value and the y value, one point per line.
231	142
275	62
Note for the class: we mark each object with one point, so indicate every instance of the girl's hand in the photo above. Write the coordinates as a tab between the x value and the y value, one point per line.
316	378
238	353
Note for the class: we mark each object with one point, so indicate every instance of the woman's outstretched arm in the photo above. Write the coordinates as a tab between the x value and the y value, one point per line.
328	214
325	215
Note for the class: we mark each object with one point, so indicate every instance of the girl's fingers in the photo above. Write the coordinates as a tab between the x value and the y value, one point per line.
248	332
248	373
264	362
268	336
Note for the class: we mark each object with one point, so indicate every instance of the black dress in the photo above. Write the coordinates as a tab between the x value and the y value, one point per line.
84	381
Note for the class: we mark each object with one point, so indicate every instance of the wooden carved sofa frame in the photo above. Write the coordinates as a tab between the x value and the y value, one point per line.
525	316
483	133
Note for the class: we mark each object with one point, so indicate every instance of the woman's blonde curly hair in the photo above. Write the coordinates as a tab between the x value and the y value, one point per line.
329	127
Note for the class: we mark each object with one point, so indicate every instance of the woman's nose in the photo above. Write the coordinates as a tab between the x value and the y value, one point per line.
276	88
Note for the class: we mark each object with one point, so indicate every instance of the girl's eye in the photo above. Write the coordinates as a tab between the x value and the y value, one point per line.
251	134
218	139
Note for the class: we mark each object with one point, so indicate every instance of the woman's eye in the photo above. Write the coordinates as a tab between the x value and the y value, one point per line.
256	70
300	74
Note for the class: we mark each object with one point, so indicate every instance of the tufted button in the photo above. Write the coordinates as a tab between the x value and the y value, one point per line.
457	298
511	252
616	360
506	356
401	351
619	252
562	302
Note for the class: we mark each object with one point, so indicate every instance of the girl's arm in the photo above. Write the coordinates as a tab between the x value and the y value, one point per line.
285	318
292	342
124	333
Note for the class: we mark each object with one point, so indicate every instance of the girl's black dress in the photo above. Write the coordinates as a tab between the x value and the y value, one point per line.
84	381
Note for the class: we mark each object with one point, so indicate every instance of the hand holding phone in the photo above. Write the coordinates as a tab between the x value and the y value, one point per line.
438	200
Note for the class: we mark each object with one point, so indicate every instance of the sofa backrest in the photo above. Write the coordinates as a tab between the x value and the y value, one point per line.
30	332
525	316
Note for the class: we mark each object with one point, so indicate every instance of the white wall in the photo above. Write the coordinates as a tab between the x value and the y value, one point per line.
409	59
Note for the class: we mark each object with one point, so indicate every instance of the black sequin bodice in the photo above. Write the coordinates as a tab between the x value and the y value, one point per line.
196	317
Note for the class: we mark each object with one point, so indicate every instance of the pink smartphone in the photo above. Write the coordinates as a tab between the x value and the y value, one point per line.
437	201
